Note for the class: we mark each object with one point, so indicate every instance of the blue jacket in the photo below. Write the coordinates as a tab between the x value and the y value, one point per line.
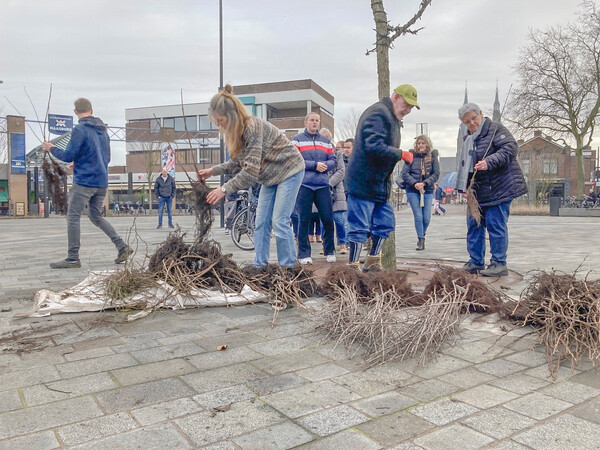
164	188
376	152
89	150
503	180
315	148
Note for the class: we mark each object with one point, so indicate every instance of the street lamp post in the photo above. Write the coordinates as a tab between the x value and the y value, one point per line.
221	144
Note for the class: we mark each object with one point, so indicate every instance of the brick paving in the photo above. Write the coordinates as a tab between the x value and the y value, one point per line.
93	380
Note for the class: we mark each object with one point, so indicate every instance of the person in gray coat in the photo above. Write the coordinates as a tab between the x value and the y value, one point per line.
338	193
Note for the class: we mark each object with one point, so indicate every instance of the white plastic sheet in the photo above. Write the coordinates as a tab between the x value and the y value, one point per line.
89	296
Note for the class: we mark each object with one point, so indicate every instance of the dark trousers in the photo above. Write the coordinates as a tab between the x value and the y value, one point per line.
322	199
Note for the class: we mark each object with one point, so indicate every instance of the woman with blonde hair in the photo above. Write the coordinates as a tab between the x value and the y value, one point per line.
419	178
263	154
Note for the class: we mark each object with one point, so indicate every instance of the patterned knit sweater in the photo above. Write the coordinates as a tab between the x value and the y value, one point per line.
267	158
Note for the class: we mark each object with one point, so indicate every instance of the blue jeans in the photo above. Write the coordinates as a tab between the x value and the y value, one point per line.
340	219
79	196
275	206
422	215
162	201
366	217
322	200
494	219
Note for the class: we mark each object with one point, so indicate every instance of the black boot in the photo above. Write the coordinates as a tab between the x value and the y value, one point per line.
421	244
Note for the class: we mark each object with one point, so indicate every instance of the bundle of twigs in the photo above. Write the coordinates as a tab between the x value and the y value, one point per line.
478	295
202	210
123	284
368	284
55	178
566	314
285	285
387	328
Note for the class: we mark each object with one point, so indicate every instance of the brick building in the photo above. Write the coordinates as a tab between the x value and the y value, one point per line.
551	168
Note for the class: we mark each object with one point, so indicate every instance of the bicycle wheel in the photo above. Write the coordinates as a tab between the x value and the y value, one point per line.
242	233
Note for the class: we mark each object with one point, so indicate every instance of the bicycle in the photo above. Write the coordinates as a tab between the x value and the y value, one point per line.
242	226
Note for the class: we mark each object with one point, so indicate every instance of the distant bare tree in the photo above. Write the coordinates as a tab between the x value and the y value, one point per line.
152	160
559	76
386	34
346	128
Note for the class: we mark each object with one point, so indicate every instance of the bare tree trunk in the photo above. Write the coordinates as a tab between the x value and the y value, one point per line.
382	46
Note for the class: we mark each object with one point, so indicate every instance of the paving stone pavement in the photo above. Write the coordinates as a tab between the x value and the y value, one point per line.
93	380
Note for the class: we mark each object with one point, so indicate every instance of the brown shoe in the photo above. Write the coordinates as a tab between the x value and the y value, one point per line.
319	238
372	264
343	249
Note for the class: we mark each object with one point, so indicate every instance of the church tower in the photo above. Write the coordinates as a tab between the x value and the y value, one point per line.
462	129
496	115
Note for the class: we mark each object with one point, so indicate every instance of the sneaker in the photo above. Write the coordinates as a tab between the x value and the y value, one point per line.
66	264
171	226
471	268
305	261
495	269
354	265
319	238
343	250
227	232
123	255
330	258
159	227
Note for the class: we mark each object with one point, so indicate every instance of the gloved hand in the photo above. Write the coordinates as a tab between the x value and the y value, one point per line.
407	157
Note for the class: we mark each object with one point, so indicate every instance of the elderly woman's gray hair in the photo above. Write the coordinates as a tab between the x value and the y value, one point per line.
468	107
325	132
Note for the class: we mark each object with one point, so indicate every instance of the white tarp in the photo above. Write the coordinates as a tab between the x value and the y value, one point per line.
89	296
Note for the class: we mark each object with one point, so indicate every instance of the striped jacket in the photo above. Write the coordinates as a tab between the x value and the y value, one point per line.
268	158
315	148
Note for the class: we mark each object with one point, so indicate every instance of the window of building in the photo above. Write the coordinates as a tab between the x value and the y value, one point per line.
179	125
259	110
550	166
525	166
169	122
206	124
249	108
154	126
271	112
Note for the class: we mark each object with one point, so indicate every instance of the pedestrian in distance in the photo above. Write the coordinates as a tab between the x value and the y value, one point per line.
488	159
368	176
319	158
438	198
262	153
419	179
164	189
89	150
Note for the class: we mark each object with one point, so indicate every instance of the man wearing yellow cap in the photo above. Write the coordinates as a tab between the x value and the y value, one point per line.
368	175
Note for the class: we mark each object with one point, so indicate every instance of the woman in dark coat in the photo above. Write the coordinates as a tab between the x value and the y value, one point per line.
419	179
489	153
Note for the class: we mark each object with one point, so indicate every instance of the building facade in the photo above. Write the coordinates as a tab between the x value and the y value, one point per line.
551	169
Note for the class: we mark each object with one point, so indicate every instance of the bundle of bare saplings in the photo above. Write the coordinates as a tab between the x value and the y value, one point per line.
565	312
201	264
381	316
55	177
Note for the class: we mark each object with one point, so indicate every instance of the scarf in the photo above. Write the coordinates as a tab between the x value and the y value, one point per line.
465	161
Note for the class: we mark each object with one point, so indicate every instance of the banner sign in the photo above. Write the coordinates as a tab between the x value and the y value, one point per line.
3	191
17	153
168	158
58	124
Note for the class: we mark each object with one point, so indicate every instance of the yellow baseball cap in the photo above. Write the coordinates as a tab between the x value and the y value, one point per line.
409	93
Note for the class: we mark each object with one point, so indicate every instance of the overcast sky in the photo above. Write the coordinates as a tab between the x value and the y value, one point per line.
126	53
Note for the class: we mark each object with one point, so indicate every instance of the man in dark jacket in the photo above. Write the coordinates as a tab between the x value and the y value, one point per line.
319	158
368	176
164	189
89	150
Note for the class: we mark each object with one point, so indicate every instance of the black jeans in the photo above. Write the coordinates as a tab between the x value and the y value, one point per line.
322	199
